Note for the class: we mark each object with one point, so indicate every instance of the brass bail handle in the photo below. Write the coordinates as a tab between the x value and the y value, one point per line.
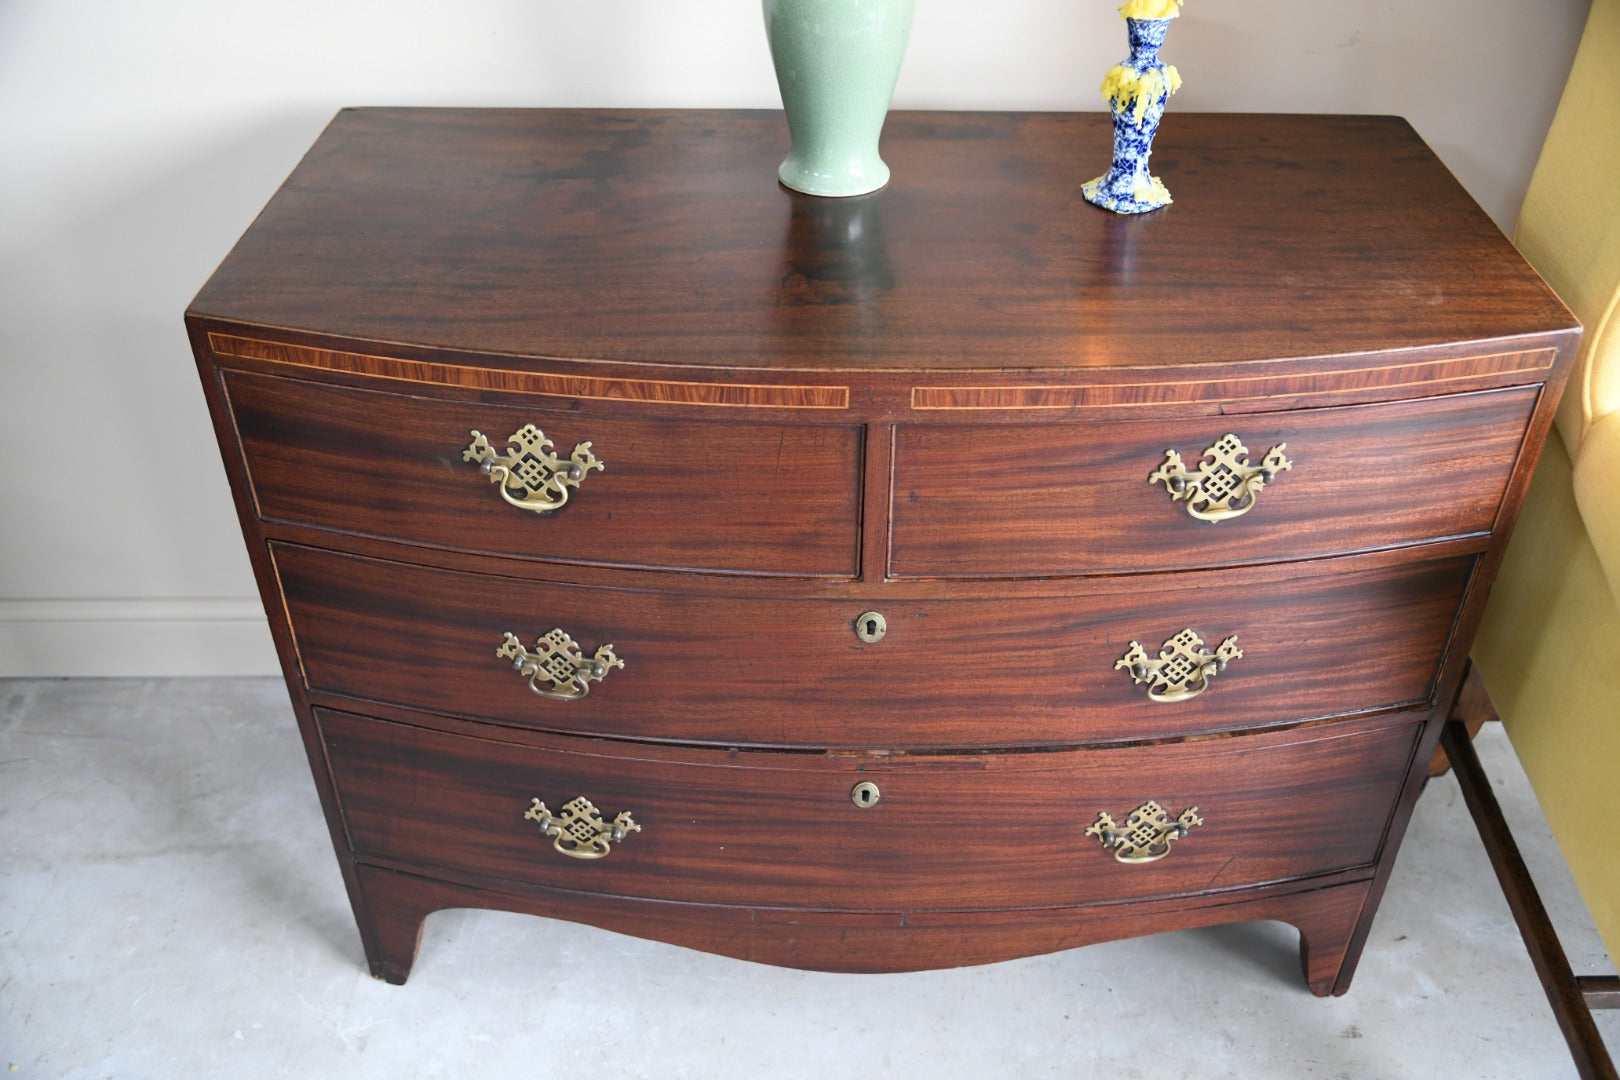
1225	484
557	668
1182	670
530	476
1147	834
578	830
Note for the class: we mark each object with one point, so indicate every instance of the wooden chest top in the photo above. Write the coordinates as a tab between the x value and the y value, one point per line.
662	238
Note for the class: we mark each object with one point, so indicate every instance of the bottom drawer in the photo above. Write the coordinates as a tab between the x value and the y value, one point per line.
946	831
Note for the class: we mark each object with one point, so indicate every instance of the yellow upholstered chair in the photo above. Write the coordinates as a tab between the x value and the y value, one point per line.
1549	649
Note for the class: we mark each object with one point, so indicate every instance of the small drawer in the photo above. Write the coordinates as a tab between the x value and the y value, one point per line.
1317	641
1031	500
775	498
939	832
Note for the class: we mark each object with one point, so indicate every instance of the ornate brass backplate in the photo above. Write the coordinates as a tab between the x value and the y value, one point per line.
558	660
529	475
1183	667
1225	484
579	831
1148	832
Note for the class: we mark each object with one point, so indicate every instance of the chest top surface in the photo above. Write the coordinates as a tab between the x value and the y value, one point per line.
663	238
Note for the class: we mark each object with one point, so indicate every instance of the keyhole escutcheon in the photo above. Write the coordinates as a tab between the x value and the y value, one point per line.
865	795
871	626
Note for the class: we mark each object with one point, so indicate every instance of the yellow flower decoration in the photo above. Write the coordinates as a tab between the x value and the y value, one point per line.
1151	9
1122	87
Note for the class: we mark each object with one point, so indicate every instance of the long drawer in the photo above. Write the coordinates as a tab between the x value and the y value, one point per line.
946	832
1316	640
994	500
779	498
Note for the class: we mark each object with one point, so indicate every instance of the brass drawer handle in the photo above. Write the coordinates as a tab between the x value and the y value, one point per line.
1225	484
1148	832
560	662
579	831
1183	667
529	475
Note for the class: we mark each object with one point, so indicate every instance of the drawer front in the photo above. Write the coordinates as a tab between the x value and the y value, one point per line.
1071	498
1316	641
705	495
982	831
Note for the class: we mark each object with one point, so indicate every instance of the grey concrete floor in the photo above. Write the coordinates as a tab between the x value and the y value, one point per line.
170	907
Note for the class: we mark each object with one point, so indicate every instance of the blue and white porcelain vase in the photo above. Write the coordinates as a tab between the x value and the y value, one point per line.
1136	92
836	63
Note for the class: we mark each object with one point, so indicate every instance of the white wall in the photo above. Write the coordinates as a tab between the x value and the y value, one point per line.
138	139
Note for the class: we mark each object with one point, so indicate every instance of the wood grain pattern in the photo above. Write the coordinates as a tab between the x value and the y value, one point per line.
1297	387
1324	641
663	237
749	497
1426	377
998	500
949	832
397	902
650	391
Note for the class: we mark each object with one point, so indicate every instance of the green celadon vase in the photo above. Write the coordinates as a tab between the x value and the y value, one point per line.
836	63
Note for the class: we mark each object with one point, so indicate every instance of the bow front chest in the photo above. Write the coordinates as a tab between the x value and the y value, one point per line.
948	574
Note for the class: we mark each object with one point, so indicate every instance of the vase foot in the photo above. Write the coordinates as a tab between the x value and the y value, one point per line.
1127	194
832	184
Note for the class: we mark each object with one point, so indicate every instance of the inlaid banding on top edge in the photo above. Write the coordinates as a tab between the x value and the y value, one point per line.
654	391
1239	388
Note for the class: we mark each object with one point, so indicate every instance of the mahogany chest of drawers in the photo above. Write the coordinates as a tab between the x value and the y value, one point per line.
949	574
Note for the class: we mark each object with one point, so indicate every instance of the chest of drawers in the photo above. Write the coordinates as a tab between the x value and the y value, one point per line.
944	575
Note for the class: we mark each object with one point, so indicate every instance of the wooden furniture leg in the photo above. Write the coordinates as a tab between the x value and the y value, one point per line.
1571	998
1324	947
396	905
1473	707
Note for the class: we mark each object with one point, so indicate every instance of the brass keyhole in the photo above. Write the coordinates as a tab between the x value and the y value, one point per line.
865	795
871	626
